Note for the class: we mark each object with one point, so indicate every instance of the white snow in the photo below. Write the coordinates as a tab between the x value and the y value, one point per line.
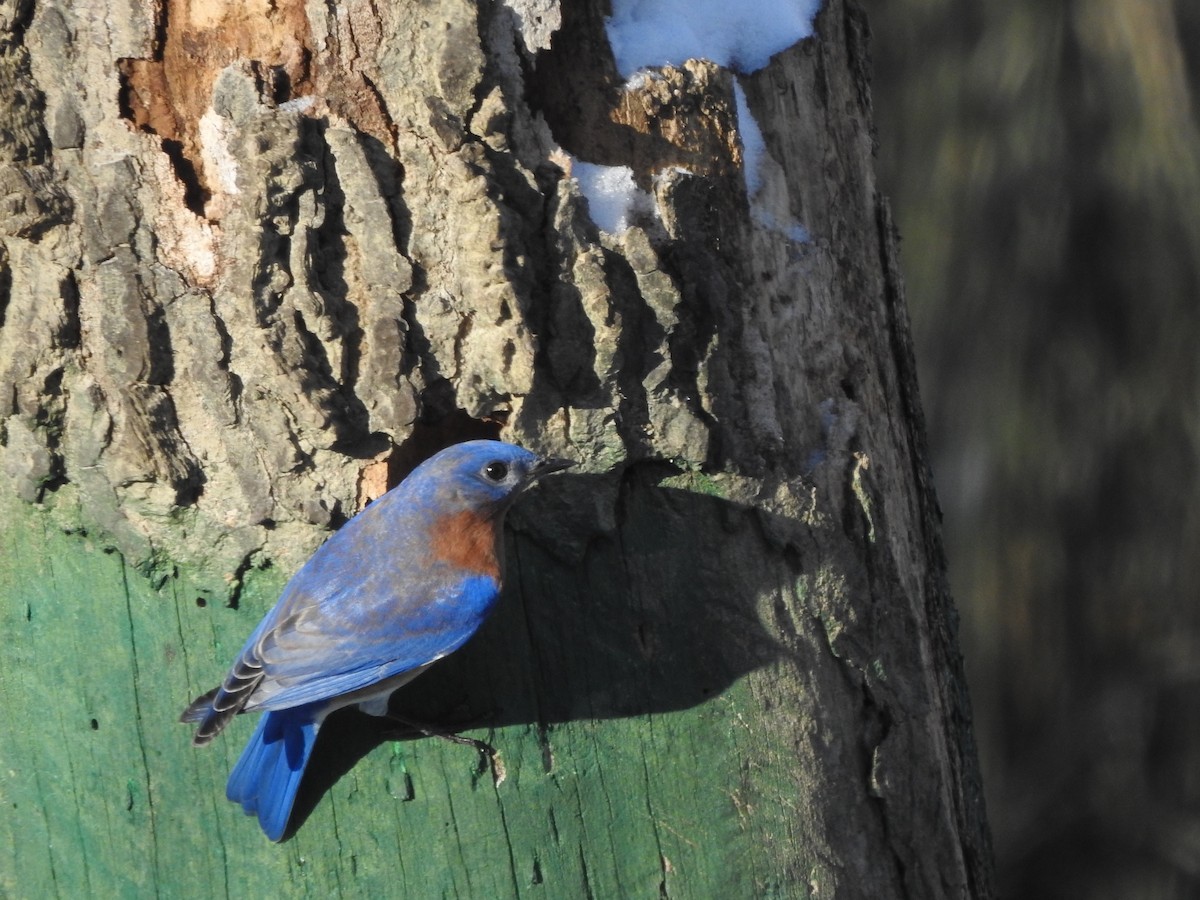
789	228
754	157
753	145
613	197
739	34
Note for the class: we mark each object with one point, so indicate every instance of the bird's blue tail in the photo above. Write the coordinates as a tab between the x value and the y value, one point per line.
267	776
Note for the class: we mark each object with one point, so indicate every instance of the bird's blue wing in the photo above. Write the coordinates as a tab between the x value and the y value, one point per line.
348	642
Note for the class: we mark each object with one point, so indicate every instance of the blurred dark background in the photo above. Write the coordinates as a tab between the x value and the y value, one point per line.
1043	159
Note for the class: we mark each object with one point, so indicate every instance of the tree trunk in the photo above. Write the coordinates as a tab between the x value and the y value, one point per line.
257	260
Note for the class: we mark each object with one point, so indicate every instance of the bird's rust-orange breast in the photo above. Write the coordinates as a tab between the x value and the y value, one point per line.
467	541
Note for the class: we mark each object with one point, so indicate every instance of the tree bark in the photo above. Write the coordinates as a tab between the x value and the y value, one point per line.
259	259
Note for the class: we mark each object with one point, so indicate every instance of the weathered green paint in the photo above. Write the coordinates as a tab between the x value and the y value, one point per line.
104	796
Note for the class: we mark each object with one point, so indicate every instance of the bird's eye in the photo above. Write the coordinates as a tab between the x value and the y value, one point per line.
496	470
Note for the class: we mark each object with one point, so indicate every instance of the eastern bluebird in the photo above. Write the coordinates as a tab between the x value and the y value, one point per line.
402	584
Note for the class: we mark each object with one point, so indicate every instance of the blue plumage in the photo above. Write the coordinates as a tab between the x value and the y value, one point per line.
268	773
403	584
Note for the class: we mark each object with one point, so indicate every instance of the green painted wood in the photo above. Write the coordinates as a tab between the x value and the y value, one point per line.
681	797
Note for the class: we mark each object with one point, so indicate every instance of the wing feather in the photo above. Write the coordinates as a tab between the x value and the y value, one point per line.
324	652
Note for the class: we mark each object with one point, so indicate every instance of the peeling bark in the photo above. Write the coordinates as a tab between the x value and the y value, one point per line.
259	260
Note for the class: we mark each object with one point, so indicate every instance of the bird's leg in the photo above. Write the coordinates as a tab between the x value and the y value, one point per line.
485	749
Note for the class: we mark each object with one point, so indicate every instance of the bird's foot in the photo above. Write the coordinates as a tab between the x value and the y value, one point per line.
485	749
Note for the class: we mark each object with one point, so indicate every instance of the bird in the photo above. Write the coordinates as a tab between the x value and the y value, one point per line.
401	585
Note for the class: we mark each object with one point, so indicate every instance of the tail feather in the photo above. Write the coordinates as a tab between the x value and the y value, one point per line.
268	774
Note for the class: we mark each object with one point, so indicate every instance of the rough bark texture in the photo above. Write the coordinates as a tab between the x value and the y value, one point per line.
258	259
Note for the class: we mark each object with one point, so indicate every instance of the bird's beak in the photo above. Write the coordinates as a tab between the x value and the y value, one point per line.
549	464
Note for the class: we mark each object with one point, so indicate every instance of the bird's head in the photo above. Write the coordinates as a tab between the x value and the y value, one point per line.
484	474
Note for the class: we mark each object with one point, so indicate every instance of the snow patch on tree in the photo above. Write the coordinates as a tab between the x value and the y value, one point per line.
738	36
